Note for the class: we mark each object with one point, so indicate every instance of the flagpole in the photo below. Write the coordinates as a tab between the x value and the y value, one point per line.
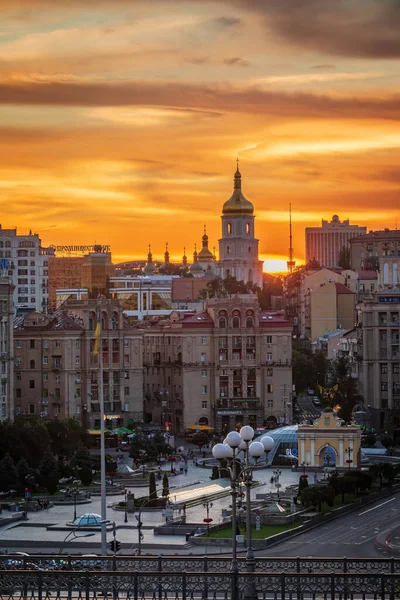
102	446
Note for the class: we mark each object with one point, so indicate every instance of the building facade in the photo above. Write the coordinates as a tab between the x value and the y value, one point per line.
366	250
26	262
227	365
379	317
6	349
64	273
324	243
57	375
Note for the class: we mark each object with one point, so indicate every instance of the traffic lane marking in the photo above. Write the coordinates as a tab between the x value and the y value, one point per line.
375	507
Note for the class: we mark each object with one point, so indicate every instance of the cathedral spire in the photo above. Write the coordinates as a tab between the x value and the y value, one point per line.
184	257
238	177
166	254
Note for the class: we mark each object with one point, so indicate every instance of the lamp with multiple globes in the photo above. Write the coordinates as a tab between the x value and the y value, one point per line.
234	443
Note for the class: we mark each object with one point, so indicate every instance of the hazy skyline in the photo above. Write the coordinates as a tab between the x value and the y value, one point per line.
121	120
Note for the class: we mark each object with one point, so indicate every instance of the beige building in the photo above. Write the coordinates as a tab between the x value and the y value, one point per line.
227	365
324	243
366	250
331	306
56	375
327	433
379	318
6	350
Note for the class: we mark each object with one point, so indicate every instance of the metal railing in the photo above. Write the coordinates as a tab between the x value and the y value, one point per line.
187	585
194	564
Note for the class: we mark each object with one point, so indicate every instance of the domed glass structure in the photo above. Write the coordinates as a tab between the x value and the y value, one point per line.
285	439
87	520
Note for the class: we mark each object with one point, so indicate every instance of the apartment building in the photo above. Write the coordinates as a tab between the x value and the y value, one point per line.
367	249
26	262
6	350
57	376
227	365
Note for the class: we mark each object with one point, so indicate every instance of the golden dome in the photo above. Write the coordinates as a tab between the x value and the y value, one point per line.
237	203
205	254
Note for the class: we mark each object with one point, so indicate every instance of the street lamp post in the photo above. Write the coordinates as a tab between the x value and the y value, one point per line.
235	442
349	451
277	473
138	518
126	507
73	537
207	505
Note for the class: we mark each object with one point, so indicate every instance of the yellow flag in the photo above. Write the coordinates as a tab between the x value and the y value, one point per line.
96	346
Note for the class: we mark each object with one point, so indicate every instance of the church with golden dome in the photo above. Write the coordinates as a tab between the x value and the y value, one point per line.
238	246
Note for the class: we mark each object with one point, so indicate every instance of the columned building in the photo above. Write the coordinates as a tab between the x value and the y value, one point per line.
324	243
238	247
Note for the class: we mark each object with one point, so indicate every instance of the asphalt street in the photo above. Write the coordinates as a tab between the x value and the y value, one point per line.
305	403
352	535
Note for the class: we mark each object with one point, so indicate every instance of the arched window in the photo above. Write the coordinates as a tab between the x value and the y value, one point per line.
32	364
236	322
395	274
92	321
1	244
203	421
104	321
247	227
229	227
7	245
250	278
222	322
228	249
249	249
249	322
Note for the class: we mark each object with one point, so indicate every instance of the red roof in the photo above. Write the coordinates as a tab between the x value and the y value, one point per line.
372	275
342	289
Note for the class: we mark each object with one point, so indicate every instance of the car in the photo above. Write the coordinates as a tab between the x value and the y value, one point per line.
316	401
310	392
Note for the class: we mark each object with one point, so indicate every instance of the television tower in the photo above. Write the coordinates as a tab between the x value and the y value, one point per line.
290	263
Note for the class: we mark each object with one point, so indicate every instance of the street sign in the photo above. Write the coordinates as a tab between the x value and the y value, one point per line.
258	522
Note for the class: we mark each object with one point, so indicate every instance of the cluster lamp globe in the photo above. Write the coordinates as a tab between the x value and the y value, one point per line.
243	445
233	439
256	449
247	433
220	451
267	442
228	451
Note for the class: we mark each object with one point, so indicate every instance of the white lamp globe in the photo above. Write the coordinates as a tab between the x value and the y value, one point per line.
256	449
224	441
247	433
267	442
233	439
219	451
242	445
228	451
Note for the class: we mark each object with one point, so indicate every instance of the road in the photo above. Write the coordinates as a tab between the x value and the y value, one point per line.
352	535
305	403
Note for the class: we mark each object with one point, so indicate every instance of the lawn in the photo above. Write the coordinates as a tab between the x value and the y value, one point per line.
265	531
337	502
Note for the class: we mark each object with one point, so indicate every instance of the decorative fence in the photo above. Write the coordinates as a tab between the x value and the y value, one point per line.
173	585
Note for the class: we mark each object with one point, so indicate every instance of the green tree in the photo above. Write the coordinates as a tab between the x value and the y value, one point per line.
66	436
48	470
304	372
346	396
152	487
165	486
81	460
23	470
386	441
369	440
215	473
303	484
344	259
8	474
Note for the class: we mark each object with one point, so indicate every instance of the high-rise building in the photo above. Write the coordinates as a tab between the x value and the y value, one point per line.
238	247
323	244
26	262
65	273
6	350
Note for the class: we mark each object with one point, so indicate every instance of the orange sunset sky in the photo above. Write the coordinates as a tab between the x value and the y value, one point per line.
121	120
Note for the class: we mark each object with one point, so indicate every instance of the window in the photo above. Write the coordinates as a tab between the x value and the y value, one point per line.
384	368
203	341
396	368
126	359
270	372
229	227
247	227
32	344
45	377
18	392
204	404
222	322
269	339
249	322
228	249
204	389
18	361
19	377
45	344
384	386
45	393
203	357
58	344
396	388
77	343
31	384
19	344
270	388
32	364
77	360
126	390
57	392
270	403
269	356
45	360
204	373
236	322
31	409
58	378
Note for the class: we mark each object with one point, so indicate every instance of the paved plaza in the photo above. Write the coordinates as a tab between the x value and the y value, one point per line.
195	484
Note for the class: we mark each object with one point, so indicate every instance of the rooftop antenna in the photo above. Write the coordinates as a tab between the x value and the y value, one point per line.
290	263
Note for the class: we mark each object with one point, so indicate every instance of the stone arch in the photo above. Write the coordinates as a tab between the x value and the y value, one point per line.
328	455
203	421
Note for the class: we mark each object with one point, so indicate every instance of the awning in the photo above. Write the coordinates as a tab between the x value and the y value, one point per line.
122	431
200	427
98	432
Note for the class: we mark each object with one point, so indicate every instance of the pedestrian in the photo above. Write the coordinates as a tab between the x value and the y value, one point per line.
186	469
